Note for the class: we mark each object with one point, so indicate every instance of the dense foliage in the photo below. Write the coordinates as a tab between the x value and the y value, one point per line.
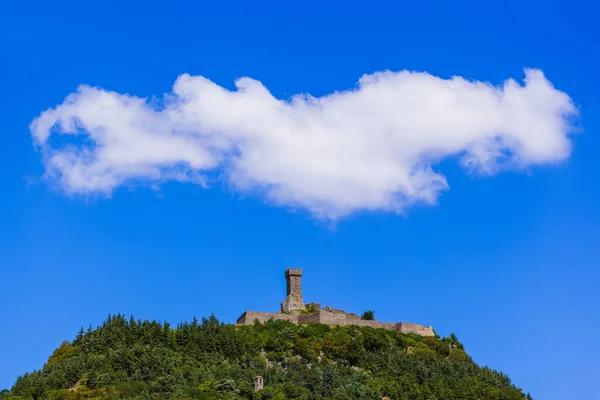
129	359
369	315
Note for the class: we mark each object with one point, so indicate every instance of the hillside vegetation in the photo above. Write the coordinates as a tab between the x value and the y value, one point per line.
129	359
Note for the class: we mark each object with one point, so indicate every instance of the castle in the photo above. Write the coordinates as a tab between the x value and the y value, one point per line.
294	309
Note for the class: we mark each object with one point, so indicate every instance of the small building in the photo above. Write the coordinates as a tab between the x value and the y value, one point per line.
258	383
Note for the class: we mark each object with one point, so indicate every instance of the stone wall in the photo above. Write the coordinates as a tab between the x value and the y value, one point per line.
333	318
375	324
323	317
338	317
407	327
249	317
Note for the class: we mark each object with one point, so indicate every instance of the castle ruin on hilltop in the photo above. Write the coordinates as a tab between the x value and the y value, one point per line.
294	309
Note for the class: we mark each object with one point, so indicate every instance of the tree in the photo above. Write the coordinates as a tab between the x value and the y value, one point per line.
143	360
368	315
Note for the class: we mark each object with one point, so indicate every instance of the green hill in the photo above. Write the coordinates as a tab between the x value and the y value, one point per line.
129	359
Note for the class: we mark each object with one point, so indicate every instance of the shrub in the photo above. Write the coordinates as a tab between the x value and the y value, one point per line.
368	315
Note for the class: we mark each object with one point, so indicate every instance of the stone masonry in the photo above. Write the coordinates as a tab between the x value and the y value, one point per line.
293	299
293	305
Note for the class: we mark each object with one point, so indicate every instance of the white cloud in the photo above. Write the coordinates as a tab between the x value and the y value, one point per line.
369	148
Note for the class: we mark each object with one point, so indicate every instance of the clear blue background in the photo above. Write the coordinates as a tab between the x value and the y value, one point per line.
508	263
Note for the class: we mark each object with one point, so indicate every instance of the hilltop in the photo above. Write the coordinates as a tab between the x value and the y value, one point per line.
126	358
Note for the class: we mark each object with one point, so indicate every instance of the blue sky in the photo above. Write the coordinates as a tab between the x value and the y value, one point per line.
505	254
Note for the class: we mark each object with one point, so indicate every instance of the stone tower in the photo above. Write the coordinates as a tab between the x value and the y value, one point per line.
293	300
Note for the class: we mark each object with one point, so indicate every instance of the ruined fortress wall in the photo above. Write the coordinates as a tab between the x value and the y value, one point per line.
333	319
407	327
342	319
313	318
374	324
323	317
249	317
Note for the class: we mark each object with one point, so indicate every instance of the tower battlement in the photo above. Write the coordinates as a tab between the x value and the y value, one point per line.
293	272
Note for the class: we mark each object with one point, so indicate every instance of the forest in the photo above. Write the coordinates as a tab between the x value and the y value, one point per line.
125	358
